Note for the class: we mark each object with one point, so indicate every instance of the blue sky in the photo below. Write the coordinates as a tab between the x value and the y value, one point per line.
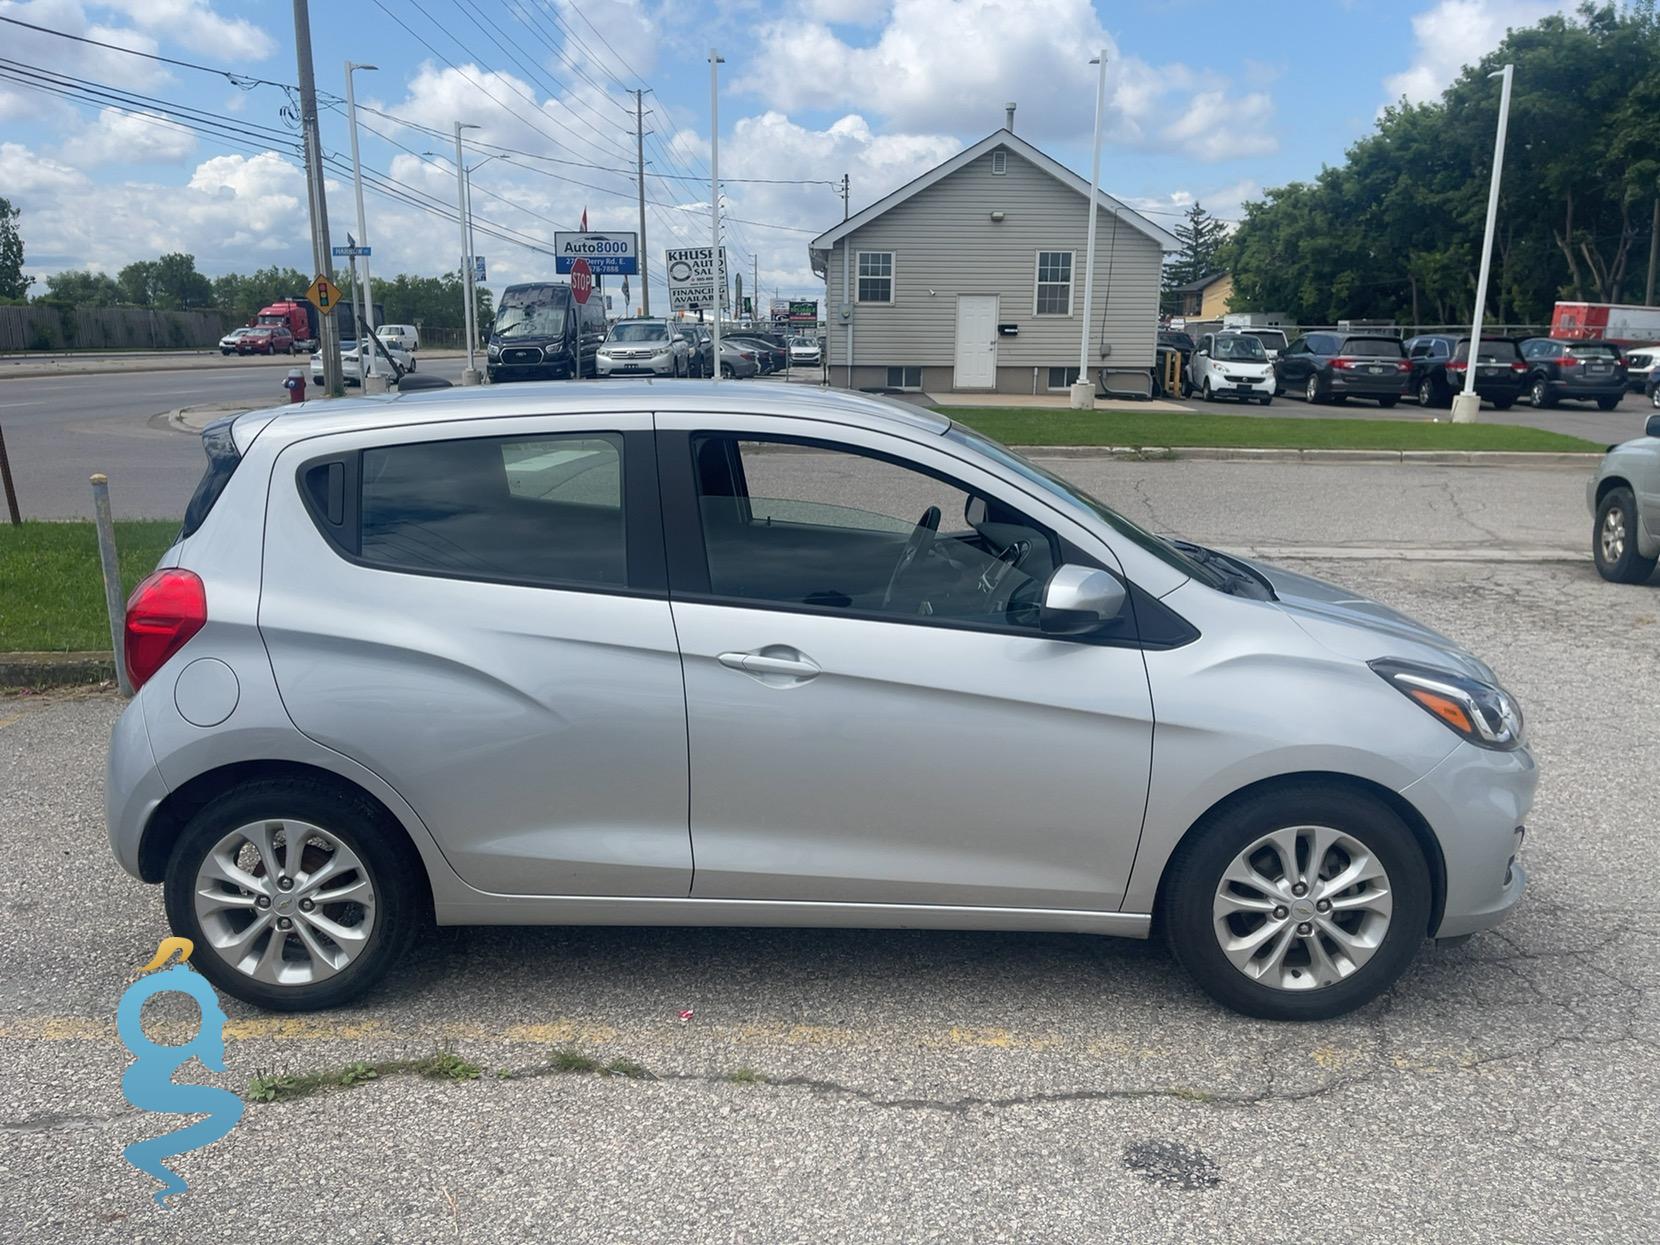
1204	102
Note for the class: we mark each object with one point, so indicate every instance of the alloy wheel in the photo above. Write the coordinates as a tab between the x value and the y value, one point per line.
284	902
1426	392
1539	394
1302	907
1611	535
1312	393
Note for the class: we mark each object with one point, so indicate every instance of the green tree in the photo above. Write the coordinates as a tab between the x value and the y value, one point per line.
1203	240
83	288
170	283
241	295
13	284
1395	232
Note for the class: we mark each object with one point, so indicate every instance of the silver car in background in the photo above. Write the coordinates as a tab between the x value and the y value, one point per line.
1624	497
520	657
643	348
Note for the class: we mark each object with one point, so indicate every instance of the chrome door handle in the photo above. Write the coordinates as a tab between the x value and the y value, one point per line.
764	664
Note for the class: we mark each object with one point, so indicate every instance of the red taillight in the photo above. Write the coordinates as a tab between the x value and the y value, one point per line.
162	614
1458	365
1518	366
1341	364
1568	360
1403	366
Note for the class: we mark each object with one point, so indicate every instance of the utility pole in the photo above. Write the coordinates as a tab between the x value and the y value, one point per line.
1467	405
1083	389
716	60
845	189
470	376
328	332
847	293
640	167
366	324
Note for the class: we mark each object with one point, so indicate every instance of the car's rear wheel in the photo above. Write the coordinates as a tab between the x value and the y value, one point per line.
1386	403
1311	391
1503	404
297	896
1614	540
1607	404
1301	903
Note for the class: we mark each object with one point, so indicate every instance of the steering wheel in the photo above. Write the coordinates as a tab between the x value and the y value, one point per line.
921	538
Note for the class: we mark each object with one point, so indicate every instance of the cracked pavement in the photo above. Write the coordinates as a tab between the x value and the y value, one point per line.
917	1086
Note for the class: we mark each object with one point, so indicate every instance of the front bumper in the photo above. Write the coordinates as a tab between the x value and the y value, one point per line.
634	367
560	370
1476	803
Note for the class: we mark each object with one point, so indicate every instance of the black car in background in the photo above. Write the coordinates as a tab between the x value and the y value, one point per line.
1441	361
1333	367
1560	371
772	355
541	332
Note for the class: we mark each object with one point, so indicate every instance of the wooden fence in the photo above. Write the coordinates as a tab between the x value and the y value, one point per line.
49	326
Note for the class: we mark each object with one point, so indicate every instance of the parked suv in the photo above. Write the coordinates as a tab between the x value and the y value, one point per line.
1624	497
643	348
1333	367
1441	361
494	659
1561	371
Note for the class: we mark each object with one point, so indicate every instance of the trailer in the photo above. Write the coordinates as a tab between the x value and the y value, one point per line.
1624	324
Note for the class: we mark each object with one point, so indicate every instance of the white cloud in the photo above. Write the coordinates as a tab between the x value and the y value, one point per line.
65	56
1226	203
949	66
198	26
1454	33
1215	127
120	137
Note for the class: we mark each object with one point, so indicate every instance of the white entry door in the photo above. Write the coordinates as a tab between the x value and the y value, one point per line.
976	342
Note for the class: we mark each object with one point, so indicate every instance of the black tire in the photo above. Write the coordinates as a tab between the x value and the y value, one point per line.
1204	391
1540	395
1628	566
1191	884
226	352
1311	390
726	371
1503	404
400	893
1654	398
1266	399
1386	403
1607	404
1428	396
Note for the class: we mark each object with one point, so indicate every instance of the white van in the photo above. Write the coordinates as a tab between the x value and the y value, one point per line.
405	335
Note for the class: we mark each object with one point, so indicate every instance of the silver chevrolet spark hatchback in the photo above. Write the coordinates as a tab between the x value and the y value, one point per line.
672	654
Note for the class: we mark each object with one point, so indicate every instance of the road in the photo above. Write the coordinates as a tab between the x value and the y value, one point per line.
61	429
912	1086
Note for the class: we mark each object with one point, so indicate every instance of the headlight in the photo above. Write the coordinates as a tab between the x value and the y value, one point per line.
1487	716
493	351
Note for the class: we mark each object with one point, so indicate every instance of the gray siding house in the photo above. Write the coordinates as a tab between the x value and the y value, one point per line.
971	278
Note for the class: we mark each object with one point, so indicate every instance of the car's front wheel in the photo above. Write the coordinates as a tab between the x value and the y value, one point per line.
297	896
1540	395
1311	391
1614	541
1300	903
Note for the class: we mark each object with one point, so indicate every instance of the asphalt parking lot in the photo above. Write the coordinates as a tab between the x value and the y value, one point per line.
912	1086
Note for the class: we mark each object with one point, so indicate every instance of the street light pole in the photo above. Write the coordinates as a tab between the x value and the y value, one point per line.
1083	389
470	376
328	336
719	279
366	326
1467	405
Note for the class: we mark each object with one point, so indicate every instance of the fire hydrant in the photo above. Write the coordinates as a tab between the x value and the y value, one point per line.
295	384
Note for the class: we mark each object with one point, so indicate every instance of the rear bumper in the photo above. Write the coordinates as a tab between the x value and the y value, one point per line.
1360	385
1570	391
1476	803
133	786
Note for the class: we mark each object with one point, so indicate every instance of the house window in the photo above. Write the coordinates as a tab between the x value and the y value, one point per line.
999	162
1054	283
904	378
875	276
1062	377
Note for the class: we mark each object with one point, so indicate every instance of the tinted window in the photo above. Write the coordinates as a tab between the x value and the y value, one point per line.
222	459
1273	339
1373	347
535	510
1601	350
1491	351
1322	343
828	527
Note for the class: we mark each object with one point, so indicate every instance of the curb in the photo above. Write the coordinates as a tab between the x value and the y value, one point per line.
34	670
193	419
25	372
1409	458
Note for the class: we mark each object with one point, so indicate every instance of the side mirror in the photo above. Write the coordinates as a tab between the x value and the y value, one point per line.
1652	428
1078	599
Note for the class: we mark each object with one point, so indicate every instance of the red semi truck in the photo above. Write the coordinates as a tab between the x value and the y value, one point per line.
297	316
1622	324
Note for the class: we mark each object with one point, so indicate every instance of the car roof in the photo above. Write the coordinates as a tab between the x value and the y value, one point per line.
578	398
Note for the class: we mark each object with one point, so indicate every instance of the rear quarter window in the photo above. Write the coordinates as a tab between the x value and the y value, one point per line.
222	460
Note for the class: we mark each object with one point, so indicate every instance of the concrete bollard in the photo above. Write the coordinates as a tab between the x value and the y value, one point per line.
111	567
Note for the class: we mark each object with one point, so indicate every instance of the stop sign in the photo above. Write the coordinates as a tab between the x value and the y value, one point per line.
582	281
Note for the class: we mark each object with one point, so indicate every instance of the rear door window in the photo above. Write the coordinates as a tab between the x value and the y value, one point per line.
538	510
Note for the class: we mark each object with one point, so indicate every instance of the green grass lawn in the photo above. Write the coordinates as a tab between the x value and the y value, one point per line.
51	591
1024	426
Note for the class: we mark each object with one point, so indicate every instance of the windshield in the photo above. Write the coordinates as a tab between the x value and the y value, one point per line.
638	332
1069	494
1241	348
531	320
1273	339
